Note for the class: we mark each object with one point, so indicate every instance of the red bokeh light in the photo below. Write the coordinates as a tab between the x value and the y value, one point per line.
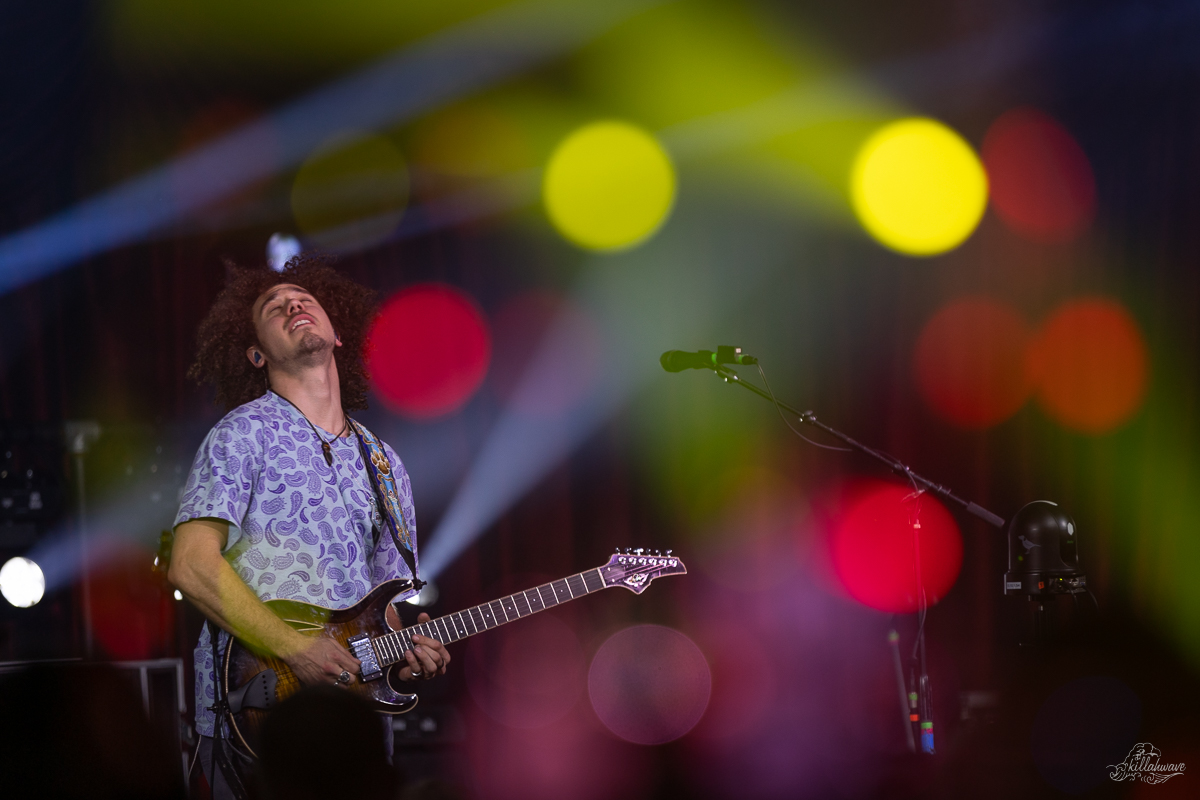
1091	365
529	675
872	548
1041	183
970	362
570	360
649	684
430	348
133	612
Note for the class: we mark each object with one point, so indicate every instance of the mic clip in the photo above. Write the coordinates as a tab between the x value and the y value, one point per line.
727	354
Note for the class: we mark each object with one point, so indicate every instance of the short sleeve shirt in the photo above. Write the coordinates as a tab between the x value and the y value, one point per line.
299	529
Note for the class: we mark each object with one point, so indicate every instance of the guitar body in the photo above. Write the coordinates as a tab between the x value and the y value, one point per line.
254	681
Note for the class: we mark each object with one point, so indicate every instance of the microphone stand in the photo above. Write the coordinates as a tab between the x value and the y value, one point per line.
920	694
809	418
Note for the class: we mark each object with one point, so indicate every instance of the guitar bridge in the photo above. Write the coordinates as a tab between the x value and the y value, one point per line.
360	648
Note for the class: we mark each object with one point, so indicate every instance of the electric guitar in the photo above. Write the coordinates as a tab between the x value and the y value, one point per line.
253	681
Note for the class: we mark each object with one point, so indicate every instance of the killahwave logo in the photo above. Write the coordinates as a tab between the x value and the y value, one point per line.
1142	764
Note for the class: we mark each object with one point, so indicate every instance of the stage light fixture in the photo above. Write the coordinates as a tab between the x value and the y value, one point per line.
22	582
282	248
1043	553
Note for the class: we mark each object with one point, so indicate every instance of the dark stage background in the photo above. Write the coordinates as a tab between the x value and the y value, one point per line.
761	247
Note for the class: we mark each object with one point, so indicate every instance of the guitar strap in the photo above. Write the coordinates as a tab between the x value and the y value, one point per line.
384	483
226	756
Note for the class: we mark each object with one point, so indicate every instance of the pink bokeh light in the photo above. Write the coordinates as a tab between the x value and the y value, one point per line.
649	684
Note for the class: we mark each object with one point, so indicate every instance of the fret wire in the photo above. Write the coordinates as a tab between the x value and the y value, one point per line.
590	577
390	647
541	605
517	599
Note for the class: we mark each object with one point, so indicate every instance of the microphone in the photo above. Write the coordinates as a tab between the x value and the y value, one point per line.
679	360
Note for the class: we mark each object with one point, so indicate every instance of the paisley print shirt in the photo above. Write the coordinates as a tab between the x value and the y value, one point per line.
298	528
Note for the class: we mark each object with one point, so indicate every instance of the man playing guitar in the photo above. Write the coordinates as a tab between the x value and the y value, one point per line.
280	502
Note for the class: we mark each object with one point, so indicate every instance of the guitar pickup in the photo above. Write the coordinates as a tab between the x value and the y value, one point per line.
361	648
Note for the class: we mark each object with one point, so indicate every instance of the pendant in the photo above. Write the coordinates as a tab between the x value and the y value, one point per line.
328	453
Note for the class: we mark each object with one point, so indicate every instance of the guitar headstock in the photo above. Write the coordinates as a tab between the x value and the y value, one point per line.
635	568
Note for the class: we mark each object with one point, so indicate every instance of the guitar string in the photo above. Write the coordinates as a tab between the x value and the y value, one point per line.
396	636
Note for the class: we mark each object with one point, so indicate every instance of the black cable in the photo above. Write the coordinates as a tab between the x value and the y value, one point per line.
785	420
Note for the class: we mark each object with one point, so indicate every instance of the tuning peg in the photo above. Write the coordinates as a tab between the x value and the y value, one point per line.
638	550
616	550
670	551
628	550
658	552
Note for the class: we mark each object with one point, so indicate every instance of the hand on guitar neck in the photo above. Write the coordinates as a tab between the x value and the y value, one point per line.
427	659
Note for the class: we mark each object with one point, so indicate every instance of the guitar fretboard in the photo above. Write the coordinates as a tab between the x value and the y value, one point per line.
391	646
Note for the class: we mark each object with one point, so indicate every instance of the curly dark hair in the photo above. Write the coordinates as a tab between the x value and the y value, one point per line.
228	330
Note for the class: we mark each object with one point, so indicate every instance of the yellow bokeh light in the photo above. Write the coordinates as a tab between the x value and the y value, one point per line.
608	186
351	192
918	187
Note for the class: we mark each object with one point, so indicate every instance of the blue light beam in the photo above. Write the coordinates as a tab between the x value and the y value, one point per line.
443	66
665	295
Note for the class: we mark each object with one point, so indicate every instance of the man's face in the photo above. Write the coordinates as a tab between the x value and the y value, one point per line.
291	325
